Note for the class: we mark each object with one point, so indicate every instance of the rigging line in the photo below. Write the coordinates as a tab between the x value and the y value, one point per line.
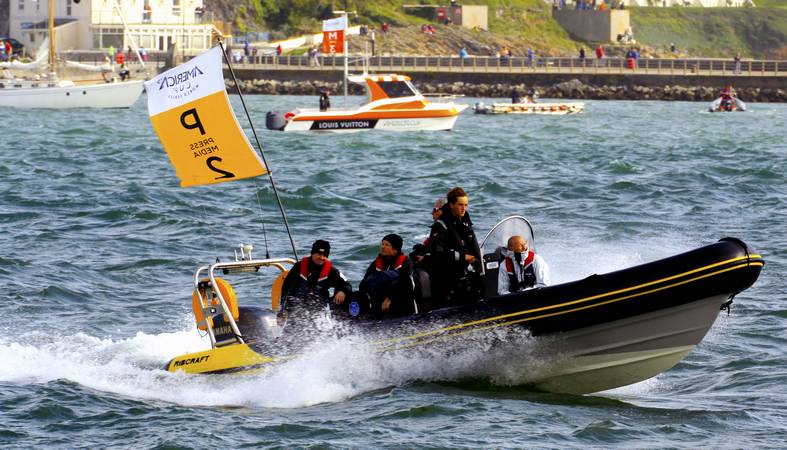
262	219
259	147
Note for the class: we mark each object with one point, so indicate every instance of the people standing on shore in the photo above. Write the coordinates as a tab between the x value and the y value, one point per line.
463	53
737	61
531	56
599	54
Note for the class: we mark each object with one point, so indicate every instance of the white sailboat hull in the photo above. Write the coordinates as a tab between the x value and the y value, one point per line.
101	95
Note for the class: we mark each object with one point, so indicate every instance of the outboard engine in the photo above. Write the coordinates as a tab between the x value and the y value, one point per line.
480	108
727	104
255	324
274	120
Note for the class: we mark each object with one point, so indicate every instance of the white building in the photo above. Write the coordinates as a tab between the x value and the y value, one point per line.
97	24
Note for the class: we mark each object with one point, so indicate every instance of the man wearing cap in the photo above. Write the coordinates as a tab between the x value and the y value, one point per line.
387	285
455	255
315	276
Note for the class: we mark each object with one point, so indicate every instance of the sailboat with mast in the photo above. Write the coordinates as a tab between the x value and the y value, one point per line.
55	93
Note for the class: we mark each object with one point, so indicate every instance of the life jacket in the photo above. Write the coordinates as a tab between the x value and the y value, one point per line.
378	263
321	285
528	273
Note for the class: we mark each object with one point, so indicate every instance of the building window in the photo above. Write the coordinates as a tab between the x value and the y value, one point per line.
176	7
21	5
68	7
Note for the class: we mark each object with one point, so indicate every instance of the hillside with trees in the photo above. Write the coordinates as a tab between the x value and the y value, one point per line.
759	32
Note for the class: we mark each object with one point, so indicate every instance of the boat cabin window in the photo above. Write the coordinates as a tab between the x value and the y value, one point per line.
396	89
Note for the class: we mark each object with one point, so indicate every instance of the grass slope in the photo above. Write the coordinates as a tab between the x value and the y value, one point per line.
715	32
759	32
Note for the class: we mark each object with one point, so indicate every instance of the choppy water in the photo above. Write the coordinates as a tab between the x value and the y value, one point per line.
98	246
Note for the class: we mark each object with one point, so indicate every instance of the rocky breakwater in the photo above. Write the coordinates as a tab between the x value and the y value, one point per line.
573	89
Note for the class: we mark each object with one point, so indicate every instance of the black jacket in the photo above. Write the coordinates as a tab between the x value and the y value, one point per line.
450	240
389	279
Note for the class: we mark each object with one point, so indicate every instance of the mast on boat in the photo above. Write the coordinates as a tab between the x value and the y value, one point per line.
51	37
345	47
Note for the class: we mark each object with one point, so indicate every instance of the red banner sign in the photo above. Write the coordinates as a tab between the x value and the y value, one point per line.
333	42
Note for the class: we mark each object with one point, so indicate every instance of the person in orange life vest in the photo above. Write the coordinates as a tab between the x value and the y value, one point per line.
455	265
388	283
420	254
314	276
521	268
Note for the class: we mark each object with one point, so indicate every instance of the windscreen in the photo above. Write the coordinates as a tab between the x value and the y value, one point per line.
395	89
500	233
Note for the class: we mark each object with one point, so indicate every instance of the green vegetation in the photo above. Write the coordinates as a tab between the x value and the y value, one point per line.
715	32
759	32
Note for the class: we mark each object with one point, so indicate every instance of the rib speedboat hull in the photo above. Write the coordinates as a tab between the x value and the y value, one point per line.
599	333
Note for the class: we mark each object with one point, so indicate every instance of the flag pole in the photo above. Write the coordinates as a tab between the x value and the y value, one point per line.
259	147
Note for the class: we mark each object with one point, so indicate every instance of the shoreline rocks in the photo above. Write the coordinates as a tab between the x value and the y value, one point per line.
572	89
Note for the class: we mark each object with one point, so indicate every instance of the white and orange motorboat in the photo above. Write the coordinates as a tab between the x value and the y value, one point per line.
393	104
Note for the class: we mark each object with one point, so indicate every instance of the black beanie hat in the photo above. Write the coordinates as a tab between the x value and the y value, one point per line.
321	246
395	240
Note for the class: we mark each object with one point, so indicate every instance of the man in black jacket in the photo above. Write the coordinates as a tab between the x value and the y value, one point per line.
313	277
456	257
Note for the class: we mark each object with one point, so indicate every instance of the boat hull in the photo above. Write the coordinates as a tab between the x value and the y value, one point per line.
101	95
354	125
599	333
551	109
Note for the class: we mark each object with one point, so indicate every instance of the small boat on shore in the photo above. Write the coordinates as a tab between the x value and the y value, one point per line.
602	332
393	104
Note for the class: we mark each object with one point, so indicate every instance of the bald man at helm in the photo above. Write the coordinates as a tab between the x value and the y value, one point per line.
521	268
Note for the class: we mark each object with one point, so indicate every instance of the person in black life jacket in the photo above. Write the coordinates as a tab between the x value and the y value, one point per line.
313	277
521	268
455	265
325	101
388	284
516	97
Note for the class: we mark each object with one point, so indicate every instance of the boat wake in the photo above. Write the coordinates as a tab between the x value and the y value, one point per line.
333	369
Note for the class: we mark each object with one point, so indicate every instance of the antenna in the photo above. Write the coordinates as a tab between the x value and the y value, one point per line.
259	147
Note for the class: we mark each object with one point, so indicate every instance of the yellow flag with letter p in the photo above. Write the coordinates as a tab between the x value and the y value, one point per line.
191	113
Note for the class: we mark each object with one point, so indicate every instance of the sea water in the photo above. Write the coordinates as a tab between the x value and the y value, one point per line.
98	245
